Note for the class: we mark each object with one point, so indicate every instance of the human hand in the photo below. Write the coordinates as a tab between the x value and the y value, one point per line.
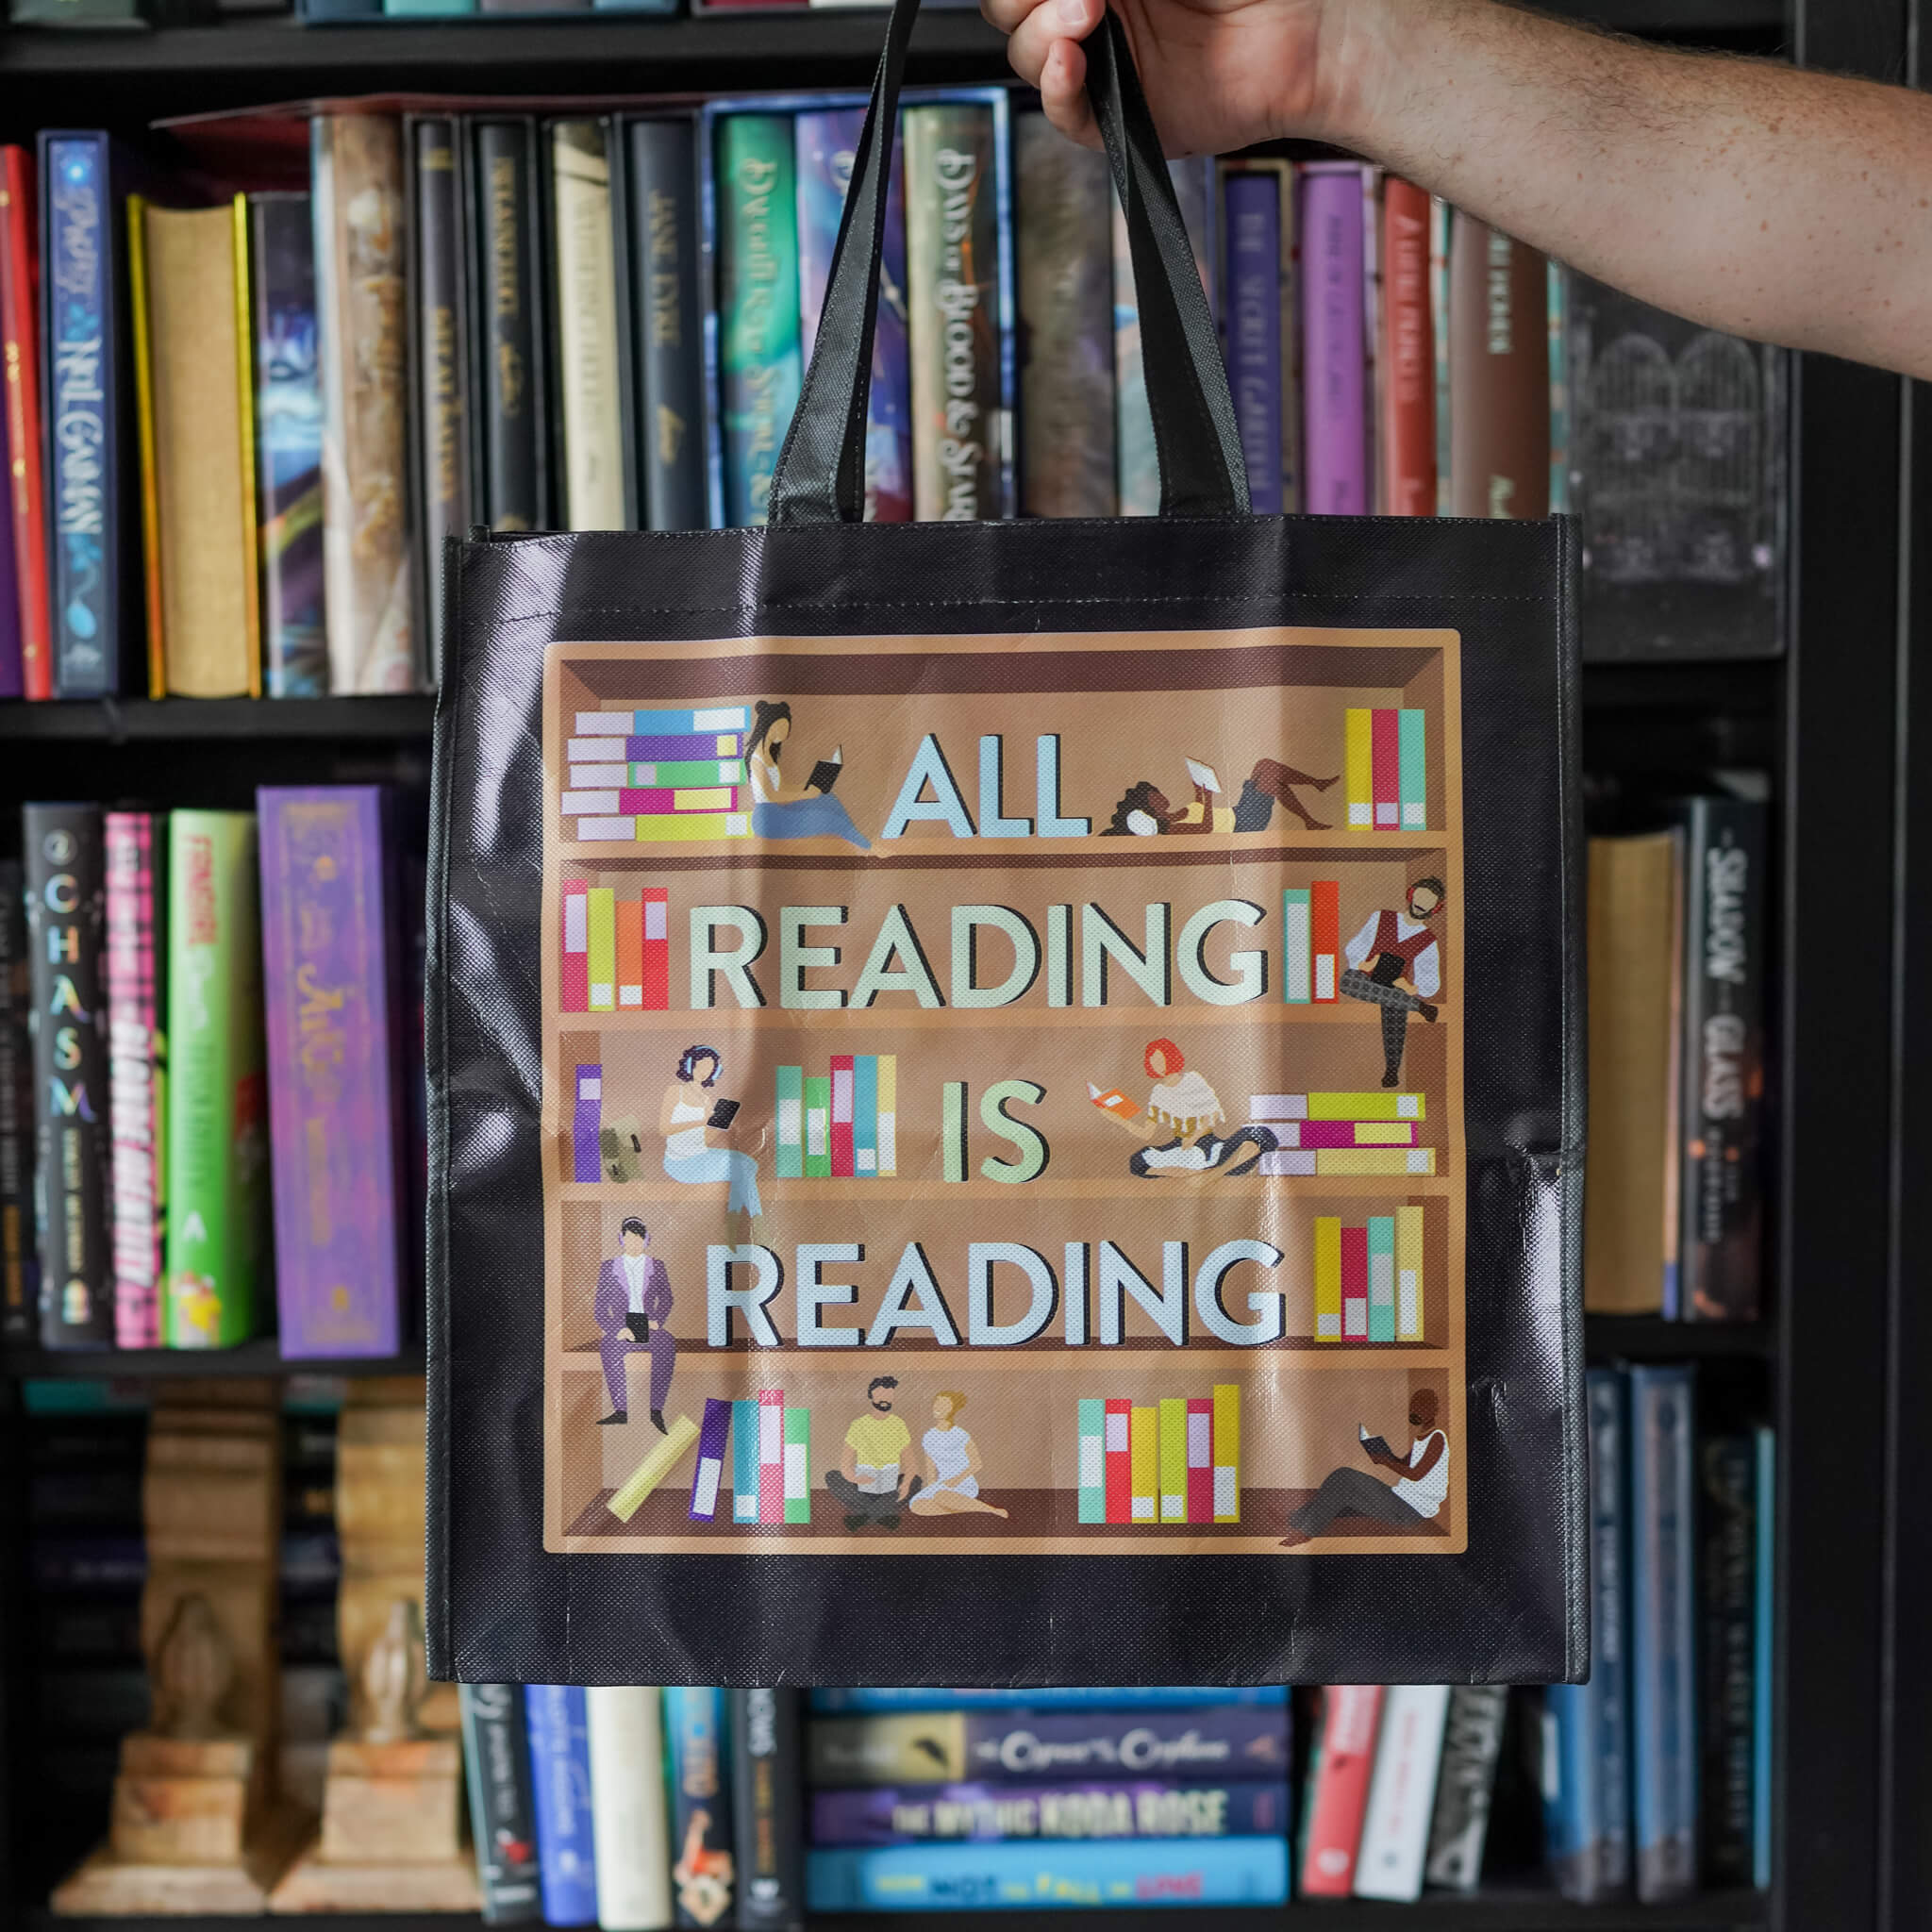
1218	74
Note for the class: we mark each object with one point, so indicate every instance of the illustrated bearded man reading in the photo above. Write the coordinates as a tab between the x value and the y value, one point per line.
1391	947
1416	1496
630	1308
875	1481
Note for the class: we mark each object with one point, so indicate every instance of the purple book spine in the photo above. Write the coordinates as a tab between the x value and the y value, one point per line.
713	1439
587	1160
993	1813
1254	331
331	984
1333	401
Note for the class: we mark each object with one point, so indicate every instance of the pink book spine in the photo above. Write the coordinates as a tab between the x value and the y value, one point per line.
135	953
1119	1464
1354	1284
1200	1459
1386	767
573	979
771	1456
1345	1134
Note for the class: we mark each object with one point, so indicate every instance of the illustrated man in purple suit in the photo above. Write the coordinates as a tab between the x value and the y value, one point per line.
631	1305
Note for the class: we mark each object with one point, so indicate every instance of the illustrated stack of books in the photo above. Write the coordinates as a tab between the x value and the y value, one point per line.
1344	1133
931	1799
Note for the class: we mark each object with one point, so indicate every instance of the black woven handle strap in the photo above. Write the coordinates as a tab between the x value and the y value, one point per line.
821	472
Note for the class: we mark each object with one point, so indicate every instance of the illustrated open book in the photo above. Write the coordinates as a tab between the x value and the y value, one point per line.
1113	1101
1377	1445
1204	775
825	775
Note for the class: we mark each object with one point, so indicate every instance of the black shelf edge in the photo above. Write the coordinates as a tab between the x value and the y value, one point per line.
1729	684
120	721
1651	1339
263	1357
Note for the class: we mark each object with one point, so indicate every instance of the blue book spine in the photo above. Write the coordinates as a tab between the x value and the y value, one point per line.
1761	1660
1065	1697
80	244
1253	211
1573	1812
1663	1631
308	11
1114	1876
560	1779
744	1461
695	1730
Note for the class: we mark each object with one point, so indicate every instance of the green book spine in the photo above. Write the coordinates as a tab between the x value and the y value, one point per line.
1092	1440
761	364
1412	740
217	1093
952	309
798	1465
790	1098
1174	1459
818	1129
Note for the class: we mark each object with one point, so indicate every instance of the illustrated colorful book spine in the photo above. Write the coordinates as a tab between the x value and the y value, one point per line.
953	290
217	1105
789	1093
356	182
865	1116
1325	939
669	351
1319	1134
1327	1277
574	958
746	1446
1499	375
797	1465
1065	249
940	1877
1358	1108
288	444
768	1775
1225	1452
1359	780
561	1794
503	1822
20	1266
714	1441
760	350
1297	979
1413	759
601	914
66	924
441	324
1334	400
1722	1055
1356	1162
1251	203
20	337
1174	1459
1381	1258
629	1824
1408	1274
1409	354
1663	1631
591	382
1119	1466
1351	1720
771	1483
832	1700
329	920
992	1813
889	1115
1199	1439
1386	758
1092	1465
1727	1593
1144	1468
135	851
511	385
818	1128
586	1121
1354	1284
1472	1746
842	1098
697	1731
1401	1792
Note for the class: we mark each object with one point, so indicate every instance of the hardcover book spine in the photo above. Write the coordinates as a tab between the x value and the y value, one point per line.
12	666
511	381
1764	1449
994	1813
1334	399
1499	352
1720	1251
135	848
833	1702
503	1825
1401	1792
626	1738
589	382
768	1774
560	1797
442	373
1473	1742
1663	1632
1252	205
826	142
1350	1717
671	385
20	1267
66	924
1441	220
701	1824
19	336
356	187
287	443
953	303
1572	1795
81	244
1066	325
759	358
1608	1702
334	985
1727	1592
217	1110
1409	354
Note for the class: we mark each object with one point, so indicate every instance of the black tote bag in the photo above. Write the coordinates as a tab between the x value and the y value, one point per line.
945	1210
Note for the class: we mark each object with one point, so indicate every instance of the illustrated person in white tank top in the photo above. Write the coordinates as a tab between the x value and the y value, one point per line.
1415	1497
952	1464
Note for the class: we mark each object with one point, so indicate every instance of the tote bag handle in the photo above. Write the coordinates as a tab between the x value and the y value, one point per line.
821	471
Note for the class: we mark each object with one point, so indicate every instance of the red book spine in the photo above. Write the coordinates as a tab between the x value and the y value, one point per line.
841	1117
1351	1714
1325	939
1120	1461
654	904
1200	1459
771	1456
1386	765
573	948
19	339
1354	1284
1408	353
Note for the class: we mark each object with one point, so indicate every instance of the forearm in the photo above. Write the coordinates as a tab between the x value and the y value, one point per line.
1790	206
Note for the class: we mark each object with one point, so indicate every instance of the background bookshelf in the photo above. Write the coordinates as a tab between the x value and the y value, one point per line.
1833	1362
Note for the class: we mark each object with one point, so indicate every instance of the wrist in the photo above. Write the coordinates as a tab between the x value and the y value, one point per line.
1357	54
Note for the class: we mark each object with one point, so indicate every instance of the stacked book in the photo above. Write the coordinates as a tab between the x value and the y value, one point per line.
933	1800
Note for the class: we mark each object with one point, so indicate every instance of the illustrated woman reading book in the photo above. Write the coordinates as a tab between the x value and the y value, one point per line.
783	812
690	1117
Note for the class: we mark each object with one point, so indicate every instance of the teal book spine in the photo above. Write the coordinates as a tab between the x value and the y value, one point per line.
865	1116
744	1462
217	1088
790	1098
818	1129
423	9
1412	735
1381	1277
760	363
1093	1419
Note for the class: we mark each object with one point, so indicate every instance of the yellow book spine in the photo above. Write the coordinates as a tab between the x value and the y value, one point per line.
1144	1458
1227	1452
1358	768
1174	1459
654	1469
693	825
705	798
245	383
1376	1160
888	1113
1366	1107
1408	1274
602	920
1383	1133
145	421
1327	1277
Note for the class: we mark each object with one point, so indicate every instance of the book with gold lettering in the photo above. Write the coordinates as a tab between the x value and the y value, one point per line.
667	344
510	402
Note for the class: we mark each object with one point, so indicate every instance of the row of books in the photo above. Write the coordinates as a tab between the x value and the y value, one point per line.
599	322
1673	1196
209	1020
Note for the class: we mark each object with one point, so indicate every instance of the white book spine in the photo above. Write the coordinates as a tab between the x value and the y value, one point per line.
1401	1792
630	1831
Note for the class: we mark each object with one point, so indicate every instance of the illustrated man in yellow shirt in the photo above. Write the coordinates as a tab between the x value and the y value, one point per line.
873	1481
